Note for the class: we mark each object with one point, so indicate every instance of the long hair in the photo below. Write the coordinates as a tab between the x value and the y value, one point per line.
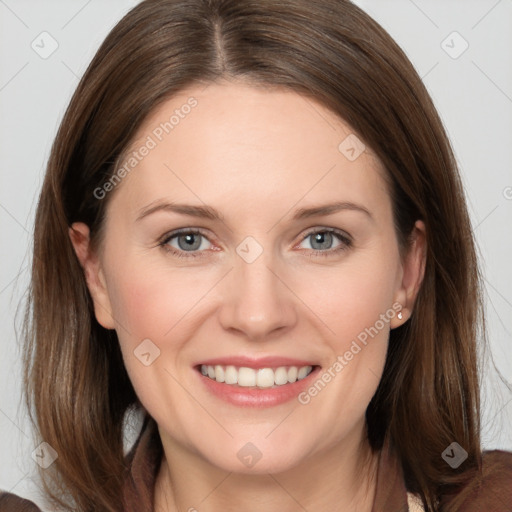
330	50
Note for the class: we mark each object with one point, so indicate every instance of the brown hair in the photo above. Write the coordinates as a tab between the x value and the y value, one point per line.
332	51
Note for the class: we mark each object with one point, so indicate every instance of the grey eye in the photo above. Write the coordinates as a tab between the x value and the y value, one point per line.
322	240
188	242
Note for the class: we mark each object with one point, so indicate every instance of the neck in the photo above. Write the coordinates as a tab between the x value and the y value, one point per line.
341	478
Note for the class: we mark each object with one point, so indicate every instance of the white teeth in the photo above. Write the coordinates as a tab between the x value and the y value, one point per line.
292	373
281	376
246	377
265	378
231	375
219	373
262	378
303	372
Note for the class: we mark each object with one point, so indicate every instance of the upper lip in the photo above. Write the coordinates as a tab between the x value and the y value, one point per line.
256	363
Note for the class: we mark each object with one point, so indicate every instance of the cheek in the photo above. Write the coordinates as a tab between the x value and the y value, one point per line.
150	301
355	303
353	296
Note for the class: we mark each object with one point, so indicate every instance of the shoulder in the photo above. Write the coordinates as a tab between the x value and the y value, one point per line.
12	503
491	489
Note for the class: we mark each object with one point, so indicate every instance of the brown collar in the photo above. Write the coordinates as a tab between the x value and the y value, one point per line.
390	493
144	462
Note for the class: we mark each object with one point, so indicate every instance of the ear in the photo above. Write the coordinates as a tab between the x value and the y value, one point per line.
413	271
94	276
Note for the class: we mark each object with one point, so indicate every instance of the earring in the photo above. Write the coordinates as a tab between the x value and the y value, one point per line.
400	316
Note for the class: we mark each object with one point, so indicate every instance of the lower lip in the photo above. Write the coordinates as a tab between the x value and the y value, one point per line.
257	397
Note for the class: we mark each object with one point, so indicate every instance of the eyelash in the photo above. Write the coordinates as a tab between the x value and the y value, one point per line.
346	242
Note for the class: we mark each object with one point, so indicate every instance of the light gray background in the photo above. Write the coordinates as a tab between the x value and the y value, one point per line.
473	93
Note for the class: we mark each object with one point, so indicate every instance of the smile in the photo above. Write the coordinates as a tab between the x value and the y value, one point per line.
255	378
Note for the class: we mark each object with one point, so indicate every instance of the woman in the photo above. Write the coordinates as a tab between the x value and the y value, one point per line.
253	231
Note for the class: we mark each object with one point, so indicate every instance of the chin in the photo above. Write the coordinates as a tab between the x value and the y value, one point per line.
257	457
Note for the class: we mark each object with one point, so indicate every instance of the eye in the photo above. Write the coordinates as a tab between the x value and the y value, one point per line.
326	241
188	242
182	241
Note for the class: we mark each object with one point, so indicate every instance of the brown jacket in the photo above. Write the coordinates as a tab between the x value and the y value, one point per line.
490	493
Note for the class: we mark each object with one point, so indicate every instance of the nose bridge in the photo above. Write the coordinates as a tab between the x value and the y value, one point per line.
256	302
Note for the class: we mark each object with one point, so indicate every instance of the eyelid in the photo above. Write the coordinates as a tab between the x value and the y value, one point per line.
182	231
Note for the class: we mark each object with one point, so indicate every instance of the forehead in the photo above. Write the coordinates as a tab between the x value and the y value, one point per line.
248	146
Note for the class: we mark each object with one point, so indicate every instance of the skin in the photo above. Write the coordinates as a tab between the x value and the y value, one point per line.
256	155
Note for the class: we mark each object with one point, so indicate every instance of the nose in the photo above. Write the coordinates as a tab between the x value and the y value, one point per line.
257	303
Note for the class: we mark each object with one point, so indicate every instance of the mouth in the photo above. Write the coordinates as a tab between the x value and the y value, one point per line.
261	378
263	383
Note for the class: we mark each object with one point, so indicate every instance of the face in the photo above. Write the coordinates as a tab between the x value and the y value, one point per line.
254	243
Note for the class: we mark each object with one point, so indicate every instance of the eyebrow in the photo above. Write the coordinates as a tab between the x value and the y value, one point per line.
210	213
